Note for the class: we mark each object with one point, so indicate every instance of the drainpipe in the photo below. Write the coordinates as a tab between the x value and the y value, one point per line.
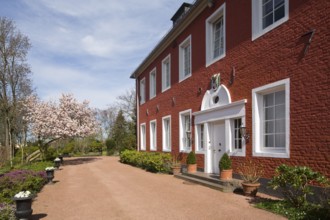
137	115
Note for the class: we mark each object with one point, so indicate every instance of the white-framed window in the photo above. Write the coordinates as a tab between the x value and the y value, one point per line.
143	136
185	130
166	133
236	141
153	135
152	86
271	119
142	90
267	15
237	137
200	137
166	73
185	59
216	36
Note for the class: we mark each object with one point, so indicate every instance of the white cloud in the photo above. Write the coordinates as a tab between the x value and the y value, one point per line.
88	47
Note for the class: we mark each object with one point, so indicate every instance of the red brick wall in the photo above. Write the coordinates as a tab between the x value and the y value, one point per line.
274	56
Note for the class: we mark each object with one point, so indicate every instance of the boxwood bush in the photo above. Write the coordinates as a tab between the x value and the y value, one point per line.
150	161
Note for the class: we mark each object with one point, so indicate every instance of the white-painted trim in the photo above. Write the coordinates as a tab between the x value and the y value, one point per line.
198	140
153	71
165	60
186	42
142	95
232	110
221	11
230	136
143	140
181	130
257	101
151	136
163	134
257	30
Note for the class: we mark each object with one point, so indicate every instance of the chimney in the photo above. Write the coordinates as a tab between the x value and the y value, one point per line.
184	8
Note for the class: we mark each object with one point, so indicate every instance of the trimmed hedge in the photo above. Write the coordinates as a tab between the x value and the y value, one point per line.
150	161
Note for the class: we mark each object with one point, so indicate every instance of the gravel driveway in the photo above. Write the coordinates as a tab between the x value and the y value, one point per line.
102	188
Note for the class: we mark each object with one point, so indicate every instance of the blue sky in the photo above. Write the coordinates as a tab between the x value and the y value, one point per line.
89	47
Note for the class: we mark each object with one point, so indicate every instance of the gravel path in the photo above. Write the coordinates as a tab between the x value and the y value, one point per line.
102	188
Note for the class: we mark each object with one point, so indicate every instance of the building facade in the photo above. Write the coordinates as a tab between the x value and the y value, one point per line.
258	64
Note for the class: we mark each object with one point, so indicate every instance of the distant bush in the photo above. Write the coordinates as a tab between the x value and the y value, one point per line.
150	161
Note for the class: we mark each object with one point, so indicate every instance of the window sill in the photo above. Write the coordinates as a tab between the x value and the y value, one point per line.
186	77
200	152
237	154
167	150
210	62
271	154
259	33
164	90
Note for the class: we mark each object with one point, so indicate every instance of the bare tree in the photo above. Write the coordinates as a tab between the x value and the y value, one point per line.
107	119
127	103
15	83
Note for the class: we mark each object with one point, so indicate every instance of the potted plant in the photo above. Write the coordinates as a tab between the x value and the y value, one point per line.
226	172
250	172
176	165
23	201
50	174
191	163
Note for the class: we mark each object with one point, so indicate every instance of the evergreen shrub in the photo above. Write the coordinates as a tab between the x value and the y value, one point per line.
191	158
150	161
225	162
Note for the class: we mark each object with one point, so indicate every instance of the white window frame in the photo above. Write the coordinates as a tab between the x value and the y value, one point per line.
166	60
183	45
257	29
152	83
231	130
199	138
143	139
153	136
183	135
142	90
166	148
257	115
209	24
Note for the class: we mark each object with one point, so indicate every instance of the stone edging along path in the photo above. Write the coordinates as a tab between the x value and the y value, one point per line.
103	188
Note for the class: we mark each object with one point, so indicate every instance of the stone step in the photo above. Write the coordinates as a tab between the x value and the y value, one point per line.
204	180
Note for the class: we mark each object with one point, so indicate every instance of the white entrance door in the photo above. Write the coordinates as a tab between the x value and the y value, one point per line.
218	144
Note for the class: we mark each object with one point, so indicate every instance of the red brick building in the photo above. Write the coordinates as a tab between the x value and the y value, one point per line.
269	61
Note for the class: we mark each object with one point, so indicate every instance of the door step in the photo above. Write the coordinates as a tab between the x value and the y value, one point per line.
211	180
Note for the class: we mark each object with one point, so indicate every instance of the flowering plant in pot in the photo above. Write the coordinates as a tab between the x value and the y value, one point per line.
250	172
23	201
50	174
191	162
226	172
57	162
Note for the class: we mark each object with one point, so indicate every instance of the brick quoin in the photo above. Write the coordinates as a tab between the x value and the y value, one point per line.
276	55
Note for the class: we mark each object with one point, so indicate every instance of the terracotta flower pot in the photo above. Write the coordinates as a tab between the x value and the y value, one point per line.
226	174
176	170
250	189
192	168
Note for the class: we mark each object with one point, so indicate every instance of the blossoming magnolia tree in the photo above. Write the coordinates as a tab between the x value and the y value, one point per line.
51	121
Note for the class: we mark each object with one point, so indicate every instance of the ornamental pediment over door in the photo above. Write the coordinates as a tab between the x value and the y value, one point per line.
216	97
